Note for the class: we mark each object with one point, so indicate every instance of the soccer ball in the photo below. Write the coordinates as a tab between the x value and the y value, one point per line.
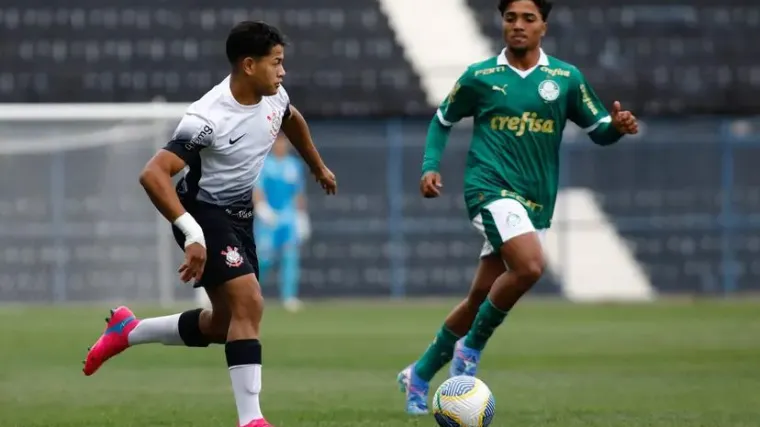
463	402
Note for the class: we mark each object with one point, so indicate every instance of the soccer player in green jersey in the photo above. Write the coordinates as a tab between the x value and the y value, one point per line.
520	102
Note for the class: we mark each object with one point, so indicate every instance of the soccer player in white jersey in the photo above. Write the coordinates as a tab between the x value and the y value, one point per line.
223	140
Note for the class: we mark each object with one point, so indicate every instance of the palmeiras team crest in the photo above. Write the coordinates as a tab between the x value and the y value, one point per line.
548	90
513	219
232	257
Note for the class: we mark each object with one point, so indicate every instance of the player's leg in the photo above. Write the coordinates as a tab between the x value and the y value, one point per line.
507	222
290	268
415	379
243	349
192	328
460	320
461	317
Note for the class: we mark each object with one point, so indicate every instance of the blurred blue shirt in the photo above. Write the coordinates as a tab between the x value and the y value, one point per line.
281	181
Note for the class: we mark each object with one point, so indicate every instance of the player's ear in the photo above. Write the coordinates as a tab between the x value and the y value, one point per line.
543	29
248	65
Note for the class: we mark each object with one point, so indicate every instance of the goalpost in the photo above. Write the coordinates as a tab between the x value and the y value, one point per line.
75	223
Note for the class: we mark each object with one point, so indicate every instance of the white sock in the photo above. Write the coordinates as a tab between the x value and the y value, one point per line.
163	330
246	384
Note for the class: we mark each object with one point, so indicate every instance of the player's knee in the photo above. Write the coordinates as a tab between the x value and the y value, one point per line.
525	258
248	306
530	270
245	299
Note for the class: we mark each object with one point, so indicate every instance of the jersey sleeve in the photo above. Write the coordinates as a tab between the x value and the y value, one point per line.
193	134
461	101
585	109
284	100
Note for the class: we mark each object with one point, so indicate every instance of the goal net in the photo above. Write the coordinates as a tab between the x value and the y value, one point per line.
75	225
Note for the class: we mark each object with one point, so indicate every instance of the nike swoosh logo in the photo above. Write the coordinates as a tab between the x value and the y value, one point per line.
232	141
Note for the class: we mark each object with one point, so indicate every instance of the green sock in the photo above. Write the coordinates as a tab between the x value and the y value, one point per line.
437	355
488	319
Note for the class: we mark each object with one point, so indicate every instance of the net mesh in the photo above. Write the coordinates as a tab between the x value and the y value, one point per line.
75	225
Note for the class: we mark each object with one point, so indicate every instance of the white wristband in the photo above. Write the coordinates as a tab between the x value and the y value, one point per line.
190	228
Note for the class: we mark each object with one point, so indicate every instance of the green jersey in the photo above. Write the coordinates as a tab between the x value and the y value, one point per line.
519	118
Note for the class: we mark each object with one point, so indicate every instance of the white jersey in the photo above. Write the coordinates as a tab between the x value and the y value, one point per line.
224	145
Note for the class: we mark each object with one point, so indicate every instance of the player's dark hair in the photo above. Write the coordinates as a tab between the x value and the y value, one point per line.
544	7
253	39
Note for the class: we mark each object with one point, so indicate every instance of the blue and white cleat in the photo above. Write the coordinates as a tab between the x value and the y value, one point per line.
465	361
416	390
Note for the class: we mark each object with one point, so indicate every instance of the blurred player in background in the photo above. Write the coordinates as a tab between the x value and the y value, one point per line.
223	140
283	223
520	101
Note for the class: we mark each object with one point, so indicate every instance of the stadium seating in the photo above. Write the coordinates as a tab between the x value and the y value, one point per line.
343	58
667	198
706	63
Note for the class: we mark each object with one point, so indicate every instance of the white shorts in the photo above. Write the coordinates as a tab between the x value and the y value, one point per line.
503	220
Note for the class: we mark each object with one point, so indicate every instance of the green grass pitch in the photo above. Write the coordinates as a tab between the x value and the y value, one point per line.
551	364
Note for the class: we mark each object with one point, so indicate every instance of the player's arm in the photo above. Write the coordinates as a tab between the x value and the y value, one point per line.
192	135
156	179
297	130
587	111
461	102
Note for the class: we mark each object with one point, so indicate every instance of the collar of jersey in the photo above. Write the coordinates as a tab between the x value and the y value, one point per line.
234	102
543	61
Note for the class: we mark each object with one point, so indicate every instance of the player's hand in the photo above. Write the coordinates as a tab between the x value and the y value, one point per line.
327	180
195	262
430	185
624	121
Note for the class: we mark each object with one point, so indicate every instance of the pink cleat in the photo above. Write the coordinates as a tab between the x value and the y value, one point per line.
258	423
113	341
